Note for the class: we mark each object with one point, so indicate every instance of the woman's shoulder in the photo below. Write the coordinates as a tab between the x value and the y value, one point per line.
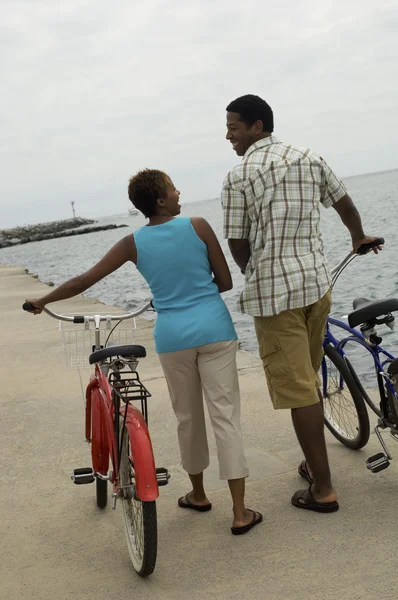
201	226
198	220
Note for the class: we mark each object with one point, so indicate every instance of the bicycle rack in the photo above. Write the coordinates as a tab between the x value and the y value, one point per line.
129	388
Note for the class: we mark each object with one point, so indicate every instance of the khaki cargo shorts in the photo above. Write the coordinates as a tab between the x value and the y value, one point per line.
291	348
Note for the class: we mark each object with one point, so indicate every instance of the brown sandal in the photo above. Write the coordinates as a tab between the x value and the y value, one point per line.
257	518
304	471
305	499
184	502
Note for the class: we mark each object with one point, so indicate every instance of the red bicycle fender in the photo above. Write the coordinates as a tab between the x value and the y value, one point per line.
99	440
93	383
141	447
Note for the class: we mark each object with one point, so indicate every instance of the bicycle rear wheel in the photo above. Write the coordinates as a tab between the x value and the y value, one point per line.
345	411
139	518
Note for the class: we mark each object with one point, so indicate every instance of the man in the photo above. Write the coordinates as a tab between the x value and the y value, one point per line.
271	204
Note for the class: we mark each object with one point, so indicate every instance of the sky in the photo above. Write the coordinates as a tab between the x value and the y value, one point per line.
93	91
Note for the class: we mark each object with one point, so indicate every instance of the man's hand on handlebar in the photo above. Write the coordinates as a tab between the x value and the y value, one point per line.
37	306
367	241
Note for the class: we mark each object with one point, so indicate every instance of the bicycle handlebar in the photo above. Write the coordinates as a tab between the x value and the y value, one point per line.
82	318
364	249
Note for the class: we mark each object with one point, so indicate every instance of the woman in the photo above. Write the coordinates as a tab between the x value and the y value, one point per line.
194	334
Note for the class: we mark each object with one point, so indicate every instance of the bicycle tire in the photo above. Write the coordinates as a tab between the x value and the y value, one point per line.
355	404
142	546
365	395
101	492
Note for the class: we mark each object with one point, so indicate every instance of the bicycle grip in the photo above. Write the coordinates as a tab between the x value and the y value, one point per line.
28	306
364	249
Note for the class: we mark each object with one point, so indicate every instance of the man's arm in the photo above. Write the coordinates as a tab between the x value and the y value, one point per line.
236	222
335	194
240	251
351	218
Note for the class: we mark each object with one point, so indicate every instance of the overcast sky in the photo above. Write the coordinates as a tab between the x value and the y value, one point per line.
92	91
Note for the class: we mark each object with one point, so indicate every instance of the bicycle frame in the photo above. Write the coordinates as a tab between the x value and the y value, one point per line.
356	336
375	351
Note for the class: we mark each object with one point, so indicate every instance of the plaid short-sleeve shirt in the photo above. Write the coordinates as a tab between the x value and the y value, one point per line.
273	200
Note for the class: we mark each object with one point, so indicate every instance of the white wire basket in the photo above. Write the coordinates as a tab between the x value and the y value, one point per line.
79	339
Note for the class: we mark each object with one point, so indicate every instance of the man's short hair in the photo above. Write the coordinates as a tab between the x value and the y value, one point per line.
251	109
145	188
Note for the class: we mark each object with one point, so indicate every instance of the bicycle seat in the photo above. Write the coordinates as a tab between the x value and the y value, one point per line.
125	351
366	310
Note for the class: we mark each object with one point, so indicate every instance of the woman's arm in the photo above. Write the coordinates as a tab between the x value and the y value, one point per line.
121	252
222	274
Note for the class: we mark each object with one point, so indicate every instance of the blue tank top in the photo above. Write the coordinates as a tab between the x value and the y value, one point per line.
190	311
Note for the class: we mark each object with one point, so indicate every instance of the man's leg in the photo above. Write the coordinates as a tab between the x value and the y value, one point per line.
316	319
286	354
309	426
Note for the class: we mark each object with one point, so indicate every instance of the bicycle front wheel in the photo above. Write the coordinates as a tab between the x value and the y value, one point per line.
139	518
345	411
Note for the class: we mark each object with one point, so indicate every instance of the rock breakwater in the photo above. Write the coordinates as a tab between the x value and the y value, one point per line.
49	231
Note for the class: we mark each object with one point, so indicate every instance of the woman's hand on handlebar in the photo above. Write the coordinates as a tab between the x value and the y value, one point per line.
36	304
372	243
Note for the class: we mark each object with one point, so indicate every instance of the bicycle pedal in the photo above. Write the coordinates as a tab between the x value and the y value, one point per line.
378	462
81	476
163	476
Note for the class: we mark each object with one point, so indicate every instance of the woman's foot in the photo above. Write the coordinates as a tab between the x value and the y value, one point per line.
243	519
247	521
201	504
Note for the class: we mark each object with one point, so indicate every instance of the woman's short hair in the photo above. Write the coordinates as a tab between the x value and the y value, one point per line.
145	188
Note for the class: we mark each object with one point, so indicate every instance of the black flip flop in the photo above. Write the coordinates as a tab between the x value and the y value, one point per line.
305	499
255	521
184	502
304	472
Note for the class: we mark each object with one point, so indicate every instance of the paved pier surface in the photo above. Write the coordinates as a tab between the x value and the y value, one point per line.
55	543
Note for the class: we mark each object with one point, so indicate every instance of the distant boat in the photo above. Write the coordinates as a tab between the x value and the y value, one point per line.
133	211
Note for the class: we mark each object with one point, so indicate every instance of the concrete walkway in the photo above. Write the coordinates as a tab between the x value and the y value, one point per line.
55	544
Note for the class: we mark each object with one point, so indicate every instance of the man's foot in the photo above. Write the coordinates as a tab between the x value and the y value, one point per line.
189	501
310	500
305	471
244	525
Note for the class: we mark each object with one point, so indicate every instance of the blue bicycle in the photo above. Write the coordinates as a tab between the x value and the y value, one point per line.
344	397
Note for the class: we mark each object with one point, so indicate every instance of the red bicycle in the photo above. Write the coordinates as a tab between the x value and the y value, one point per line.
116	428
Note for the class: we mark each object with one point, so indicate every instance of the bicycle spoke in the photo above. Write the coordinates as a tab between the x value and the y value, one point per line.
338	405
132	506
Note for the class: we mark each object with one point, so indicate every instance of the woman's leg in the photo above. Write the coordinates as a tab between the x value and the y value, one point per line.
219	375
185	389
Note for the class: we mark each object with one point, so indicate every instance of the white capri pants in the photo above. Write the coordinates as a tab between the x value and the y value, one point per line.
210	369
